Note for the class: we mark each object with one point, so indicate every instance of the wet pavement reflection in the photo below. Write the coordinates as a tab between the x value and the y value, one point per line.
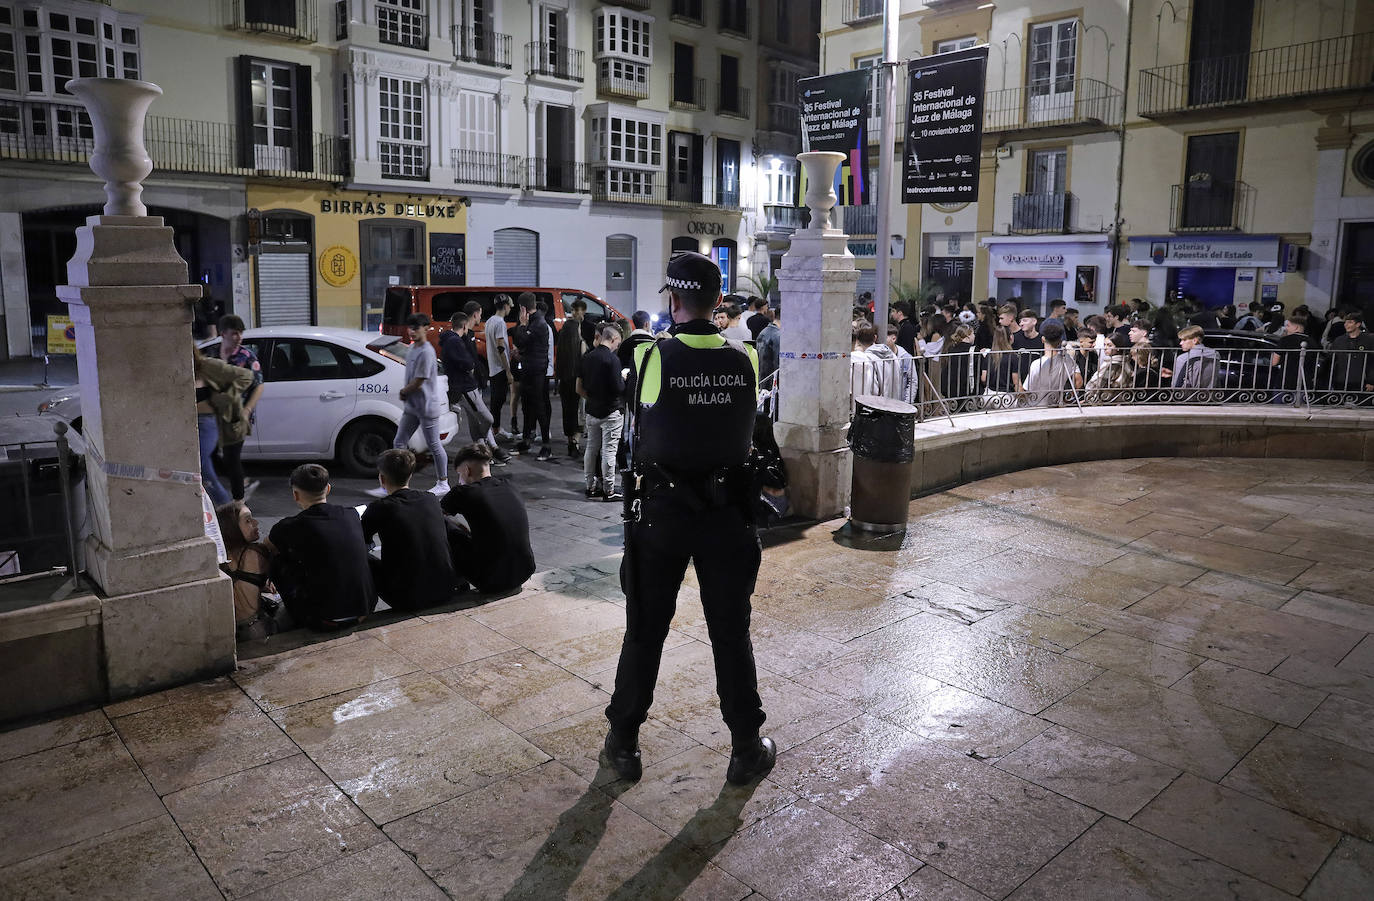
1132	678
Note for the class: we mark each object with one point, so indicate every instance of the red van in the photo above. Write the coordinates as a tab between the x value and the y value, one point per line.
440	302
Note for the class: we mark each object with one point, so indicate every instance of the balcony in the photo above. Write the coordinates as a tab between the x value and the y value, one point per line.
859	11
1087	104
1207	204
733	101
617	79
734	18
693	11
561	176
783	219
784	118
688	92
477	167
402	28
482	46
404	162
645	188
861	221
61	133
642	5
1033	214
1328	66
295	20
553	61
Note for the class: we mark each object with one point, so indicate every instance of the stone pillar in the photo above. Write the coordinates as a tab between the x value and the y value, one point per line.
166	611
816	283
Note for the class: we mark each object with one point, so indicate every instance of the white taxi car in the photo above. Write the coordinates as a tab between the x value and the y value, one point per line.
331	392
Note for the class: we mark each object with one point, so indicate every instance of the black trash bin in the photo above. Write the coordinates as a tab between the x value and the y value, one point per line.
882	437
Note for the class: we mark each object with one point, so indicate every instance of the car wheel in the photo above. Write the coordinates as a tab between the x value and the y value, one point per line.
362	443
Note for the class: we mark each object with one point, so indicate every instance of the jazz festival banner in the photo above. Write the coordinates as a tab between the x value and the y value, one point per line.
944	127
835	112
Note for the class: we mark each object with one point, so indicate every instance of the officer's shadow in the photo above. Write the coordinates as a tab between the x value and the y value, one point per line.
665	876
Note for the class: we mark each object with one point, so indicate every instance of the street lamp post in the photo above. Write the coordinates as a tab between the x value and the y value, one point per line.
887	72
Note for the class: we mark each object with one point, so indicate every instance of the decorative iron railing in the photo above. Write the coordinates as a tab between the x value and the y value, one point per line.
297	20
478	167
553	60
408	162
1041	213
1208	204
1082	101
733	101
688	92
856	11
563	176
482	46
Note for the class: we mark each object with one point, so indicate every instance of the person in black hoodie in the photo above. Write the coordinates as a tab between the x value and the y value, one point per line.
908	330
464	394
493	552
533	341
416	567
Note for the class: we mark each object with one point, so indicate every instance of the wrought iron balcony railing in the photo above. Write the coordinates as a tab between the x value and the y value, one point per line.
614	79
861	220
61	133
1327	66
479	167
402	28
1208	204
783	218
784	117
553	60
297	20
688	92
407	162
482	46
1041	213
733	101
1084	101
693	11
635	4
734	18
856	11
563	176
613	185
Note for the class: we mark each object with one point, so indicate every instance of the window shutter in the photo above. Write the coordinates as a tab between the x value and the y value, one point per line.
243	78
305	139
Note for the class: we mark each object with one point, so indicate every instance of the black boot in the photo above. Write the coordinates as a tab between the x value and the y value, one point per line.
623	754
751	759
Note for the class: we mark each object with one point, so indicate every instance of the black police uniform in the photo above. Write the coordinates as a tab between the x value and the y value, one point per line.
690	501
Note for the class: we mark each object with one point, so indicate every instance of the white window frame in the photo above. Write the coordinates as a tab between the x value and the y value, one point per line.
401	124
1045	99
780	181
478	118
111	49
874	62
948	45
624	34
404	22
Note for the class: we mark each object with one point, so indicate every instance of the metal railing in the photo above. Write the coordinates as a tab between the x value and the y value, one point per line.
1205	204
294	19
634	86
689	11
734	18
733	102
480	167
402	28
985	381
1327	66
688	92
610	185
784	117
563	176
40	507
860	220
553	60
783	218
856	11
60	133
407	162
482	46
1088	102
635	4
1041	213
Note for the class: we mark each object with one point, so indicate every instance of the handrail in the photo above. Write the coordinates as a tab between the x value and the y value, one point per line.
1088	102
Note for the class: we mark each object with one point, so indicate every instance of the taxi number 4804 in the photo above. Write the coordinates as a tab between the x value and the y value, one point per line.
373	388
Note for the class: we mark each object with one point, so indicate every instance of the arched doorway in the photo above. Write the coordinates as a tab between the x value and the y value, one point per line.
724	253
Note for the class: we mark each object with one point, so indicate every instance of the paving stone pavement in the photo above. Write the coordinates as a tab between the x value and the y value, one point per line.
1123	679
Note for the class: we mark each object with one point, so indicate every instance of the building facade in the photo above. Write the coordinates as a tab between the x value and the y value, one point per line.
311	153
1214	148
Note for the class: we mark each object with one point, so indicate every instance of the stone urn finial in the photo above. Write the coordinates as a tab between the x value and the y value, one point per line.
117	107
820	168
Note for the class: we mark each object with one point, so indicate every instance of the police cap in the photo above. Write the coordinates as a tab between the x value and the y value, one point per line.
692	272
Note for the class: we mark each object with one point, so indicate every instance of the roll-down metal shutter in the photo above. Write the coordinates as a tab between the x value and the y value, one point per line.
284	289
515	257
868	281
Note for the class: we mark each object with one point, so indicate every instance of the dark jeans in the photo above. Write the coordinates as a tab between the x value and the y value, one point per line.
500	388
228	460
722	544
306	610
567	394
534	398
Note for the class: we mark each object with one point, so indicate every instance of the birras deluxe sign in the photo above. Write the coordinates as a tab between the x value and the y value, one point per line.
944	127
382	208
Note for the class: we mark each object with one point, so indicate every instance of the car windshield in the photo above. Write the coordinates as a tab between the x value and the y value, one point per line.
387	346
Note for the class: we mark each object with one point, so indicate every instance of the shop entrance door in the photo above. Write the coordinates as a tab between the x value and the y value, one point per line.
1356	287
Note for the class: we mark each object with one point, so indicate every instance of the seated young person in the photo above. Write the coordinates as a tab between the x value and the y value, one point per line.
249	560
494	552
320	565
415	570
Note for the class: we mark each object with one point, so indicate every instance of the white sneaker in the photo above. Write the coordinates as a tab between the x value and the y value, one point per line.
503	435
440	488
378	491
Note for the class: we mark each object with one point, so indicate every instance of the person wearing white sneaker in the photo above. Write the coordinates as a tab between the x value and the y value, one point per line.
425	402
415	569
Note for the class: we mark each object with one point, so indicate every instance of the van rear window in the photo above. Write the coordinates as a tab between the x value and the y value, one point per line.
396	306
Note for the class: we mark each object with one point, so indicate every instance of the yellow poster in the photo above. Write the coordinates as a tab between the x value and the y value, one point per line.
61	335
338	265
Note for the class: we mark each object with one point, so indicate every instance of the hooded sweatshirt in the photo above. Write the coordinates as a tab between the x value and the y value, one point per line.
1197	368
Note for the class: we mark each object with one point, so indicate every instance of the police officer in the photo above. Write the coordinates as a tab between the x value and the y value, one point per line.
688	499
